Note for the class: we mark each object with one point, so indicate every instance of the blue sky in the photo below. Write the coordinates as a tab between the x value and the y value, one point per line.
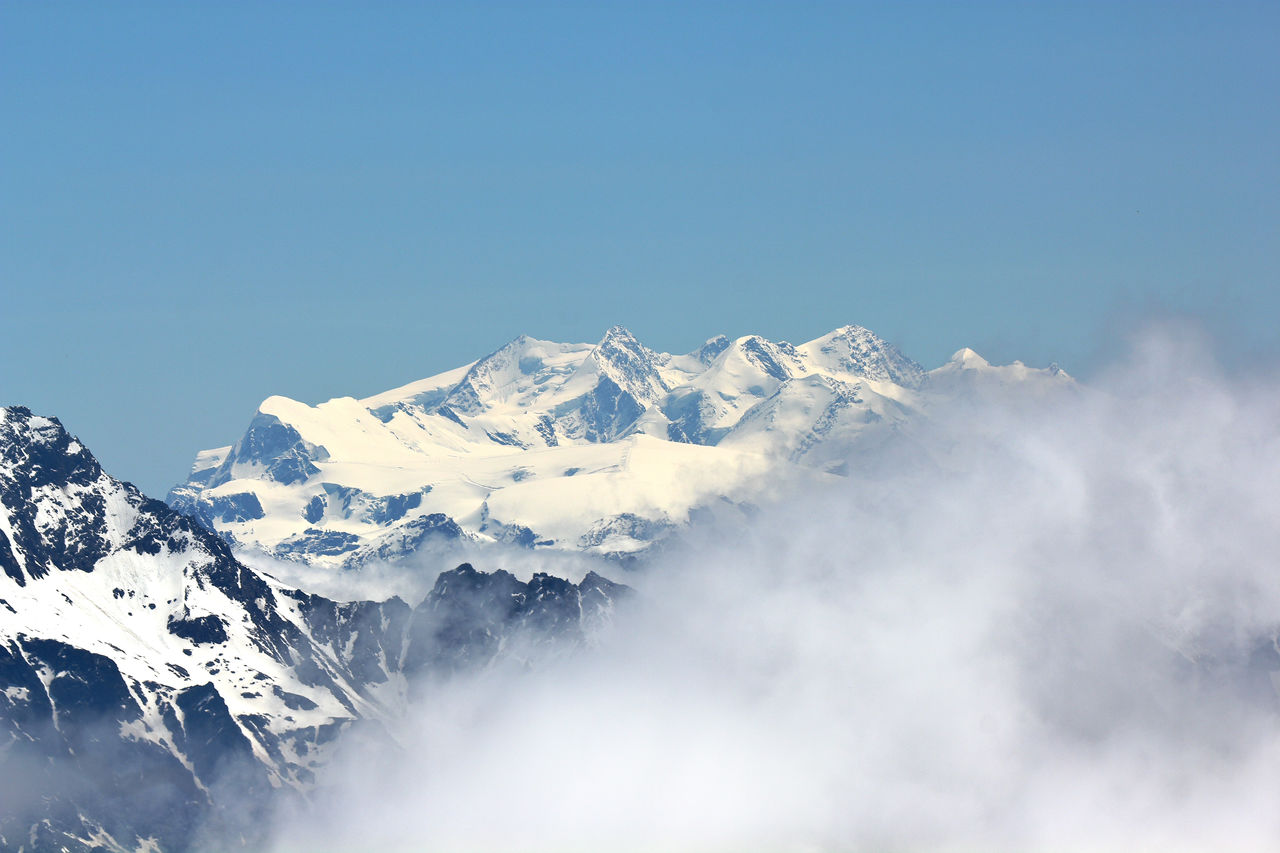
205	204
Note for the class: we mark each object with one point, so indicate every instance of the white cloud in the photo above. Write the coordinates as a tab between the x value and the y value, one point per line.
1043	643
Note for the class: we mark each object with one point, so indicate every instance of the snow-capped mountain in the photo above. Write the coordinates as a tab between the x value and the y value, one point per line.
153	687
604	448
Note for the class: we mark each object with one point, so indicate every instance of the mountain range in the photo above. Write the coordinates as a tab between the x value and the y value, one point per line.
605	448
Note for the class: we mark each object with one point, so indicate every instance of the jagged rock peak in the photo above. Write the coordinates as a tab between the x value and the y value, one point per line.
19	423
620	339
42	448
53	499
781	361
619	345
618	332
634	367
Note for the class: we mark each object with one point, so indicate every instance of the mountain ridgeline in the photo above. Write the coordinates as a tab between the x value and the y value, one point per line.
605	448
155	693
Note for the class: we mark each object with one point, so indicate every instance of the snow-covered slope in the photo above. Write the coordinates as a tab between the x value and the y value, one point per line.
148	679
603	448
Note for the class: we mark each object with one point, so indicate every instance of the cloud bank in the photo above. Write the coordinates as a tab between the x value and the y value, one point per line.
1044	629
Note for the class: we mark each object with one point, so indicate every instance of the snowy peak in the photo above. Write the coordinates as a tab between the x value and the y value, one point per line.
616	385
53	499
510	372
273	447
968	376
487	379
38	452
619	338
967	359
779	361
629	364
857	352
708	352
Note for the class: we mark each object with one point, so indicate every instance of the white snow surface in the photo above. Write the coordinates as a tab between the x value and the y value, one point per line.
601	448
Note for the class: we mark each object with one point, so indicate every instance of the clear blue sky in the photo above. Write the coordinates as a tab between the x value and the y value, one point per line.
205	204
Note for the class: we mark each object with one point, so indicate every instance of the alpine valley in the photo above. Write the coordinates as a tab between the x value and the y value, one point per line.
158	692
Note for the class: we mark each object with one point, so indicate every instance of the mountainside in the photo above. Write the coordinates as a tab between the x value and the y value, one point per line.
604	448
153	687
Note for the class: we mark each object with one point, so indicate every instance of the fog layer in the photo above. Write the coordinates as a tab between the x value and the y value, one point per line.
1027	630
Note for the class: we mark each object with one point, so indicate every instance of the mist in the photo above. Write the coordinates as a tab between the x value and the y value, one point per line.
1044	627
